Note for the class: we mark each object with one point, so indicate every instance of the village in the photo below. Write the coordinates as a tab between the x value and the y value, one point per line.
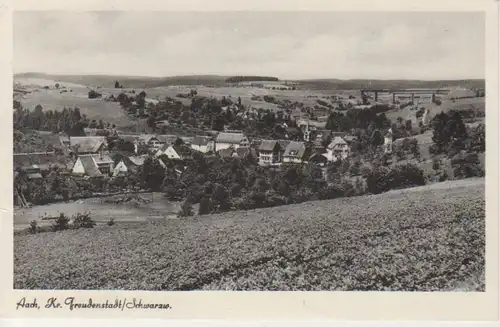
89	156
249	151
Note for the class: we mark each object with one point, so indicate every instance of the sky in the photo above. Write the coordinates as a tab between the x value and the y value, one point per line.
288	45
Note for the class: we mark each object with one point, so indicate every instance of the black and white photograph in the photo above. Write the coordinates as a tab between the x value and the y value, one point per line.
249	151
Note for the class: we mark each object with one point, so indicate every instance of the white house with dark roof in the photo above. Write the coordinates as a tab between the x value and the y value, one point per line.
269	152
338	149
128	164
93	165
225	140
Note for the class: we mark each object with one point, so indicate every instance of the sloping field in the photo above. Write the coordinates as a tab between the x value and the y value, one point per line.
478	104
101	210
426	238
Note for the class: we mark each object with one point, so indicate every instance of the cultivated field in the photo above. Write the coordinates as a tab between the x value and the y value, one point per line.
101	210
419	239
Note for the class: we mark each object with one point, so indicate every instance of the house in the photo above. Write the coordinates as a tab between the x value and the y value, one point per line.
318	159
283	145
269	152
295	152
309	127
337	149
88	144
128	164
388	139
52	140
151	141
203	144
231	139
93	165
181	152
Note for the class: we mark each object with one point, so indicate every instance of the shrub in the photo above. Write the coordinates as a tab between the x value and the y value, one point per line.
186	209
466	165
61	223
33	227
93	94
83	220
384	179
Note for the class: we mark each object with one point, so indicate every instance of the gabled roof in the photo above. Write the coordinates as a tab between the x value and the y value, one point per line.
283	144
52	139
318	157
295	149
350	138
182	150
137	160
232	138
89	165
87	143
268	145
336	142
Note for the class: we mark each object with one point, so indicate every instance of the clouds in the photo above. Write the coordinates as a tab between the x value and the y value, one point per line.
285	44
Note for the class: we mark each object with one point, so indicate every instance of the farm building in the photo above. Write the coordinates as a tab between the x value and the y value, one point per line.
269	152
295	152
203	144
337	149
88	144
93	165
128	164
231	139
175	152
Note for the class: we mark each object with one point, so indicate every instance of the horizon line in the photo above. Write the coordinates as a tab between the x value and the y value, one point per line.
262	75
